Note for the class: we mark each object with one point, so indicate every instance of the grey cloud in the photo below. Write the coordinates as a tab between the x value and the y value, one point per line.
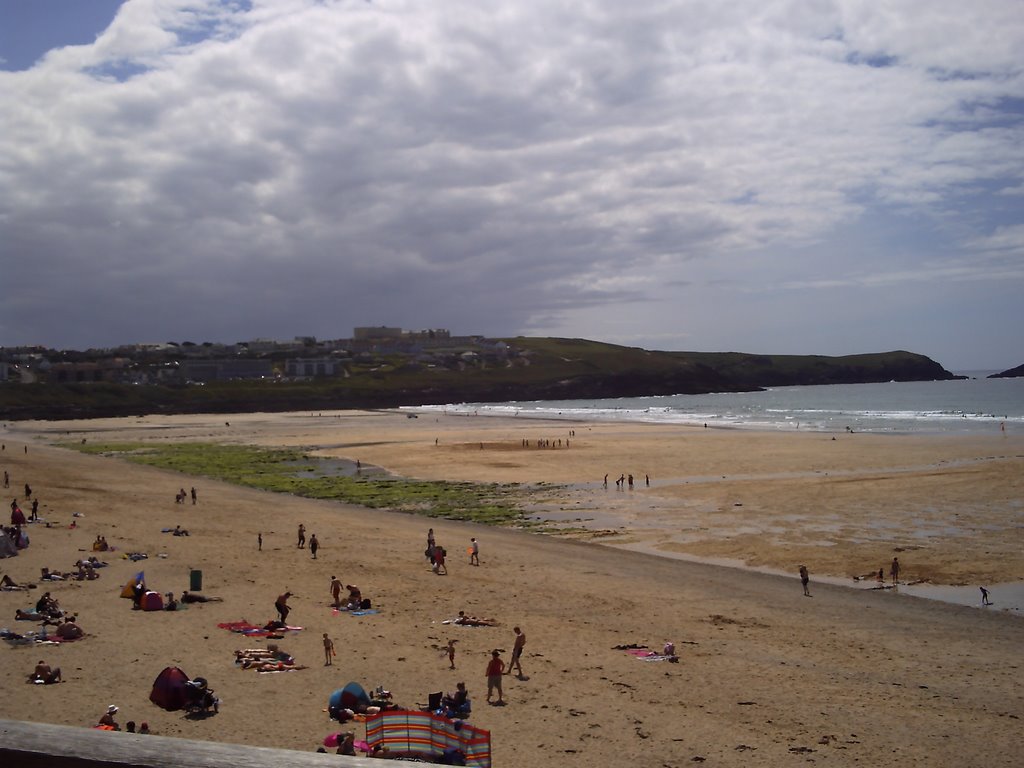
308	167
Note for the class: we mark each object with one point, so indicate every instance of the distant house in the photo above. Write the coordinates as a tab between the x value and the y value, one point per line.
107	369
225	370
309	367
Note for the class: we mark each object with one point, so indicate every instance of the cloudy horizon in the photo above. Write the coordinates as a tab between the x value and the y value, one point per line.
828	177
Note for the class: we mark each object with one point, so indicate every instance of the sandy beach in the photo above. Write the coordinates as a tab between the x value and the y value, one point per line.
766	676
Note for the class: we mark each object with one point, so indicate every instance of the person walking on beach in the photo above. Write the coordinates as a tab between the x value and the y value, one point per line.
302	536
194	496
439	556
894	570
984	596
451	652
495	669
314	545
259	541
517	653
281	604
805	580
336	591
7	479
328	651
474	551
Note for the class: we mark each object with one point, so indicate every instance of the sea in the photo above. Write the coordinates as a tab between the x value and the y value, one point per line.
973	405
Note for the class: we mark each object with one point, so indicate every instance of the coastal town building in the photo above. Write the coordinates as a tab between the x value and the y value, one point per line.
302	357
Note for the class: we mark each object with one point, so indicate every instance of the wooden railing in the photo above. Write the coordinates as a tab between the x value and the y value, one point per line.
39	745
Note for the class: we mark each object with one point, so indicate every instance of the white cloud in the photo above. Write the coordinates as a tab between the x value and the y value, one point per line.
491	167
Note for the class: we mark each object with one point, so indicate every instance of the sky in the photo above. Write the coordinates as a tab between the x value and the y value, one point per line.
780	176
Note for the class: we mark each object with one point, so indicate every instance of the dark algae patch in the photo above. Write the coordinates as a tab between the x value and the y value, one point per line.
292	471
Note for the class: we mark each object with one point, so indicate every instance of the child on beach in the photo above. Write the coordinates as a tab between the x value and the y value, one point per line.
328	651
451	652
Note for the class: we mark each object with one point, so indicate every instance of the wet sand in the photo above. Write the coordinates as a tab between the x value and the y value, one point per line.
766	676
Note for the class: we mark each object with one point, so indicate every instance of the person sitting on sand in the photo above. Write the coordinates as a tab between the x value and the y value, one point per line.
179	531
107	720
346	745
474	621
355	599
44	674
69	630
170	604
195	597
85	571
455	702
49	606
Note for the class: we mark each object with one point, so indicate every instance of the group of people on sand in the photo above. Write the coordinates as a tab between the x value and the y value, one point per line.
181	497
269	659
436	555
626	481
108	723
353	602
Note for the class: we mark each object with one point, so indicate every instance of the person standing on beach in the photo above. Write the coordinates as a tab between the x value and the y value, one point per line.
451	652
194	496
281	604
517	653
336	591
894	570
314	545
805	580
474	551
302	536
984	596
495	669
259	541
328	651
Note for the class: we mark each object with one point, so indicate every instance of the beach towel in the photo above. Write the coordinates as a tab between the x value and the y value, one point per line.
368	612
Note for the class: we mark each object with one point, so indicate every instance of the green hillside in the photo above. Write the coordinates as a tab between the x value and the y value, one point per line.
525	369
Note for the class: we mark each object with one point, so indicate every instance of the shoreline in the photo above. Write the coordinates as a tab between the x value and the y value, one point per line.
762	498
